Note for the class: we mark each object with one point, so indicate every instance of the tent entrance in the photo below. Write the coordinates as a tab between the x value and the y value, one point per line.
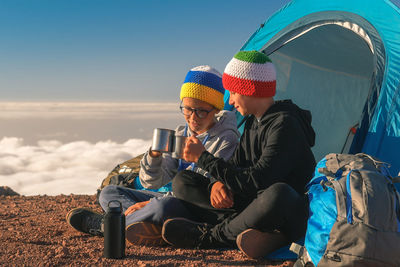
327	68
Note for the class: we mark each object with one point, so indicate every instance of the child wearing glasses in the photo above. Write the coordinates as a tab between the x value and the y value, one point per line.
202	102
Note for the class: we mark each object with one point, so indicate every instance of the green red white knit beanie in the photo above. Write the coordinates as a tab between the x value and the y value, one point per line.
204	83
250	73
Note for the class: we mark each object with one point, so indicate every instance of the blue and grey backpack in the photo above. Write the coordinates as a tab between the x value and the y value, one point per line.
354	215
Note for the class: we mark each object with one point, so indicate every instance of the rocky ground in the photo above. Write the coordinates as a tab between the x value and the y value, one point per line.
33	232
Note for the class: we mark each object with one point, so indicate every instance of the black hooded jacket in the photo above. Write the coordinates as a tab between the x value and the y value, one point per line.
275	149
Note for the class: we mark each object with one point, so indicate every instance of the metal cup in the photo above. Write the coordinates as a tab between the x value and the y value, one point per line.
179	146
163	140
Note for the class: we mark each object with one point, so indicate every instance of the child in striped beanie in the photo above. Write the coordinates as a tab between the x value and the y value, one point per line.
250	73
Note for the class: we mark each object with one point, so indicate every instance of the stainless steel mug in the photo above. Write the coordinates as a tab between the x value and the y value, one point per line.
163	140
179	146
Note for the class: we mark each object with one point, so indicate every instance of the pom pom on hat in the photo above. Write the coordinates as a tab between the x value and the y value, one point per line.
250	73
204	83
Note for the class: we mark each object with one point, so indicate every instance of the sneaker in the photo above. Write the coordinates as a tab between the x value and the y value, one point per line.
256	244
85	220
183	233
144	233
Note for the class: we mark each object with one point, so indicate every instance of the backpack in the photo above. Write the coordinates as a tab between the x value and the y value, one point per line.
123	174
354	214
127	174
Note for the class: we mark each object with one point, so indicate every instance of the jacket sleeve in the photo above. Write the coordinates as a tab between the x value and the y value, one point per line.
280	147
226	146
157	172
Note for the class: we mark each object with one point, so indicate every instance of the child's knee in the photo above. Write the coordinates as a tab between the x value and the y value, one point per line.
107	193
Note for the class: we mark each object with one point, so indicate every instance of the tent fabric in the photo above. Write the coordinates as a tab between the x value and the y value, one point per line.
341	60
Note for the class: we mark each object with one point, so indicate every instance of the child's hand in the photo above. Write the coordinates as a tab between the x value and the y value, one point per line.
193	149
221	197
154	154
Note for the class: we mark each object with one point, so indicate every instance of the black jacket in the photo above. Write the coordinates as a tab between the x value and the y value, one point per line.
275	149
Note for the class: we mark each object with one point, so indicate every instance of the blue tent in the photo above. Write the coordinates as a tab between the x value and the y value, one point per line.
341	60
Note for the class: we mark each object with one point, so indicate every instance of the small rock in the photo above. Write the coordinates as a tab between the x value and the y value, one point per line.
142	264
61	252
56	233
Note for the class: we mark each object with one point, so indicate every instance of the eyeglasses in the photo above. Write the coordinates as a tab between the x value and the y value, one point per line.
201	113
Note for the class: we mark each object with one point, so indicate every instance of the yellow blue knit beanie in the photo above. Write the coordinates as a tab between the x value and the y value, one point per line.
204	83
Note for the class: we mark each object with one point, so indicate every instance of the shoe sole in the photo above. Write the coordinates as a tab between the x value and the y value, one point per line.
256	244
144	233
163	232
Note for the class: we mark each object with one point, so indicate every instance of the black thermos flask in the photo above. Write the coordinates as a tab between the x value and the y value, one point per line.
114	231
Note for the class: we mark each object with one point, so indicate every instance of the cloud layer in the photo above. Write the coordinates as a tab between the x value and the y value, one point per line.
53	168
86	110
93	122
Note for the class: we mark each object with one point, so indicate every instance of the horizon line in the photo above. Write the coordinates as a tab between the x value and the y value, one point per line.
89	101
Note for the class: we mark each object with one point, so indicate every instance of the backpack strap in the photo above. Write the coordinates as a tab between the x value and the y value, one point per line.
304	259
397	195
339	171
396	179
340	198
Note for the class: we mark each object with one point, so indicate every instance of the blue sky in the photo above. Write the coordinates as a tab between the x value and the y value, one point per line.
117	50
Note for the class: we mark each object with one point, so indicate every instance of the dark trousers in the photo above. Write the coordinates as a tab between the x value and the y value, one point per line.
278	207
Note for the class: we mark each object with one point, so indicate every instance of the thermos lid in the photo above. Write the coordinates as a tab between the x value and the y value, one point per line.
114	206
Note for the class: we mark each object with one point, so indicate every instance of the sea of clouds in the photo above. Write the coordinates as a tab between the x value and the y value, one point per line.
64	148
53	168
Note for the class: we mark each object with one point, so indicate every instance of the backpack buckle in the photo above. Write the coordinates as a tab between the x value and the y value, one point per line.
333	256
304	259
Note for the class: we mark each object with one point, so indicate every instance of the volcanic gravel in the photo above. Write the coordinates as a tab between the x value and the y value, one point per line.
33	232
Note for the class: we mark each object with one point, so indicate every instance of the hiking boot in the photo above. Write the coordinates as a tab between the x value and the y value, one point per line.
256	244
85	220
144	233
183	233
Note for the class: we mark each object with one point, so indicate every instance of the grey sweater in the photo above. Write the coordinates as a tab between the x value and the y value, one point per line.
222	141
